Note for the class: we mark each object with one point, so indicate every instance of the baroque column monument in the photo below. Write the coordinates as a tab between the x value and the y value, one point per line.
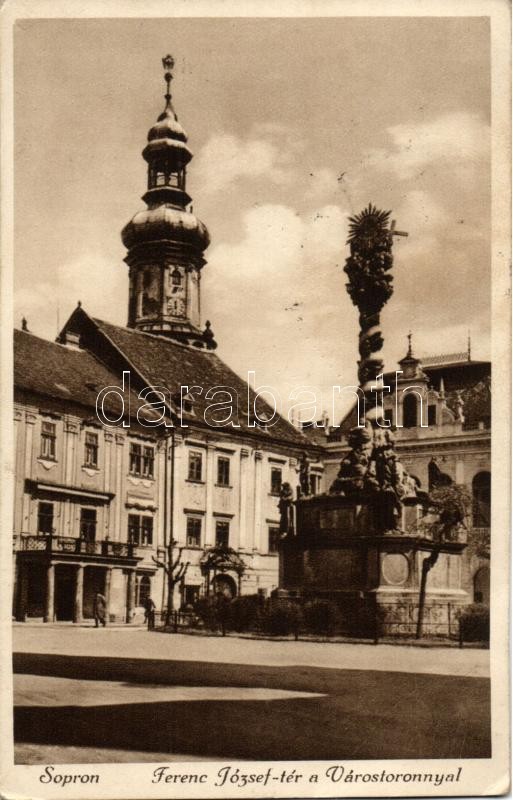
368	544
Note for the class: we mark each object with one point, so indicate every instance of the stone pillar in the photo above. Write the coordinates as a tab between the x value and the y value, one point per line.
460	472
209	505
50	593
21	591
258	501
70	450
106	591
130	595
79	594
243	478
115	535
30	421
108	438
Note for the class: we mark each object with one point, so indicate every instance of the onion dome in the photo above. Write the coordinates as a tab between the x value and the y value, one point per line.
165	222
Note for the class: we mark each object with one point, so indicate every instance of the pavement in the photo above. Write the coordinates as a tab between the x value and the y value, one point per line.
139	643
125	694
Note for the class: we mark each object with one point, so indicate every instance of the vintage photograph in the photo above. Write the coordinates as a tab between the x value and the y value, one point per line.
253	352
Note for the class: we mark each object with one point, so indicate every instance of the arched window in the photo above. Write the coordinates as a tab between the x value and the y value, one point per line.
481	497
410	411
482	586
176	277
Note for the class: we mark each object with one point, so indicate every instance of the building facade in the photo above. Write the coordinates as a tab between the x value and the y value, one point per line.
137	445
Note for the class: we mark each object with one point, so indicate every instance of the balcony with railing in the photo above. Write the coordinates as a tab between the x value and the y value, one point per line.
69	545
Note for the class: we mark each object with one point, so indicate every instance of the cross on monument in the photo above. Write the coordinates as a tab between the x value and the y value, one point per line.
393	231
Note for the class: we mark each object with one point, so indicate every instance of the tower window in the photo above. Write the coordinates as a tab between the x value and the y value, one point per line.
176	277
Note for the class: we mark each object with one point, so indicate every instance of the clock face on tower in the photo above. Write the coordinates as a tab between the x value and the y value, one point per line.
176	306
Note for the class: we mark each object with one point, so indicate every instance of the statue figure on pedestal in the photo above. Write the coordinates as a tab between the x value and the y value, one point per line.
286	509
304	475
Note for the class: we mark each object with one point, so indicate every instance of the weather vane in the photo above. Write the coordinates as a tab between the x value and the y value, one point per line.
168	63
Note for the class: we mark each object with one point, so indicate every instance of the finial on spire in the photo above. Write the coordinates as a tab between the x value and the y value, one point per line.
469	351
24	324
168	63
410	352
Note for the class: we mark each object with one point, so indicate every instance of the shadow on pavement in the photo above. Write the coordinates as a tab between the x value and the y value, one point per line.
365	714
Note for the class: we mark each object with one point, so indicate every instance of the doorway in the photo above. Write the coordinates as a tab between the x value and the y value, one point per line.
94	582
65	581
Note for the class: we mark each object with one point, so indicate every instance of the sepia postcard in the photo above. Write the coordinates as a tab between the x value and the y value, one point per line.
255	381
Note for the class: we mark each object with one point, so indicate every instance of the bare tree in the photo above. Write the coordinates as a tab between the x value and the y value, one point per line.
175	571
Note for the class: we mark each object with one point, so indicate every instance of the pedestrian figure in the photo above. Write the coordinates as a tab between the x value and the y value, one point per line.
149	613
99	609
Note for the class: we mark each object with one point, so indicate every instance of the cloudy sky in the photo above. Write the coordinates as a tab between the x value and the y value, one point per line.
295	124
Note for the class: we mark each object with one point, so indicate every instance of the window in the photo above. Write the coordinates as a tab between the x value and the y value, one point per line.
140	529
148	462
193	532
45	518
141	460
48	440
143	589
91	450
274	540
222	533
88	524
481	499
195	465
223	471
410	411
275	480
176	277
190	595
432	414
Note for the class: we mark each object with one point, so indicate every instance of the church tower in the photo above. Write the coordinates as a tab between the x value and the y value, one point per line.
165	242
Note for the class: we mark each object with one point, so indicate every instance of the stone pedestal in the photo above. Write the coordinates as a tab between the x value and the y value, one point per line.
374	578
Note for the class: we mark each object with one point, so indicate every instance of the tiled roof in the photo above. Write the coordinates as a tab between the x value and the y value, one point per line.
443	360
69	374
164	362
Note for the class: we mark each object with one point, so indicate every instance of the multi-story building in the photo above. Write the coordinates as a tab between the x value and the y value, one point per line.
87	498
182	459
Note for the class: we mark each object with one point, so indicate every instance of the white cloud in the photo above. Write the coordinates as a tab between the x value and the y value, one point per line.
100	285
454	139
268	153
275	297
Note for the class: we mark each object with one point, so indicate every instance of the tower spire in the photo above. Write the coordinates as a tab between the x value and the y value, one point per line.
168	63
469	350
410	351
165	242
